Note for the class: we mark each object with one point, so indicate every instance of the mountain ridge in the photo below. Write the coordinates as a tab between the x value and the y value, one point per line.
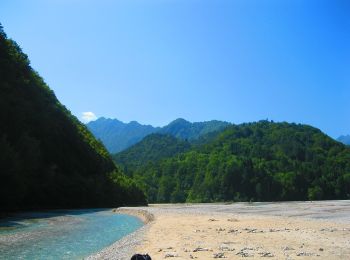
151	149
345	139
118	136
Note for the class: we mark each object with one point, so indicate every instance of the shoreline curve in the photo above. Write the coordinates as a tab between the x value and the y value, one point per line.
124	248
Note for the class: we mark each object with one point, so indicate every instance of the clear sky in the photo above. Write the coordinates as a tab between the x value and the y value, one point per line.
157	60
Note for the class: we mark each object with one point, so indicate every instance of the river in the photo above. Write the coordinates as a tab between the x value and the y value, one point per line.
67	234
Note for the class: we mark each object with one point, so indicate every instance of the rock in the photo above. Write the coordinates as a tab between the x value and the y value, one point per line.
266	254
219	255
247	248
212	219
251	230
233	220
320	249
243	252
329	229
274	230
171	255
226	248
304	254
198	249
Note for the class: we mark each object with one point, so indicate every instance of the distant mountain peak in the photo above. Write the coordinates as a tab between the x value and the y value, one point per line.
105	119
134	123
118	136
180	120
345	139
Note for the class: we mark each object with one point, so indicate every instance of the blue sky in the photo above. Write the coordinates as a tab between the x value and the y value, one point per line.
157	60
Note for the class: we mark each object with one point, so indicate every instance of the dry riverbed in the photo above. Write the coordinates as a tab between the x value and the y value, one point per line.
293	230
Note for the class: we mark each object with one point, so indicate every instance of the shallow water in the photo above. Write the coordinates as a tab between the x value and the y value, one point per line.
70	234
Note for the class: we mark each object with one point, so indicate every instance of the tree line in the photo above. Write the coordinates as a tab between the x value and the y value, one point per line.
262	161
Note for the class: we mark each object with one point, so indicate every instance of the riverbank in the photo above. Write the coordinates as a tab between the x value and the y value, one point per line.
62	234
124	248
290	230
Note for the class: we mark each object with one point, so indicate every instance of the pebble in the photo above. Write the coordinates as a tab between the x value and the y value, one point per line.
243	252
304	254
266	254
199	249
226	248
171	255
219	255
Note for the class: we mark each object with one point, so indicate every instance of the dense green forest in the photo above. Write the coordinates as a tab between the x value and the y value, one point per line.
118	136
186	130
263	161
151	149
48	159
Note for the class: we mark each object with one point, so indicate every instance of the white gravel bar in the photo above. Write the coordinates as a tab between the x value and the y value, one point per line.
335	211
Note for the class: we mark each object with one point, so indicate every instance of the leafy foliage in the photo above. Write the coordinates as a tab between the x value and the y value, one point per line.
185	130
151	149
261	161
48	159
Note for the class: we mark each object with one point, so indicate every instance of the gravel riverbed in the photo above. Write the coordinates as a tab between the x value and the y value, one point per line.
280	230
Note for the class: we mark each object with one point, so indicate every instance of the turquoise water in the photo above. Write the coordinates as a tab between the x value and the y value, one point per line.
70	234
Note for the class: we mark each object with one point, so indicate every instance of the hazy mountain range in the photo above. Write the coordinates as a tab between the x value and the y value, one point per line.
345	139
118	136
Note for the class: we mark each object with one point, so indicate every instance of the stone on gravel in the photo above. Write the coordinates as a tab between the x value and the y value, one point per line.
219	255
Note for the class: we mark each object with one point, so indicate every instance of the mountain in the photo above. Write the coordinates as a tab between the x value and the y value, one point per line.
262	161
185	130
345	139
151	149
118	136
48	159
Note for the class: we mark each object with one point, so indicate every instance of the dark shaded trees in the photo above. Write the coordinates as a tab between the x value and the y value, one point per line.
48	159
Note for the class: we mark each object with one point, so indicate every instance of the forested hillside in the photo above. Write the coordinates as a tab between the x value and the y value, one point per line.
186	130
150	150
48	159
261	161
